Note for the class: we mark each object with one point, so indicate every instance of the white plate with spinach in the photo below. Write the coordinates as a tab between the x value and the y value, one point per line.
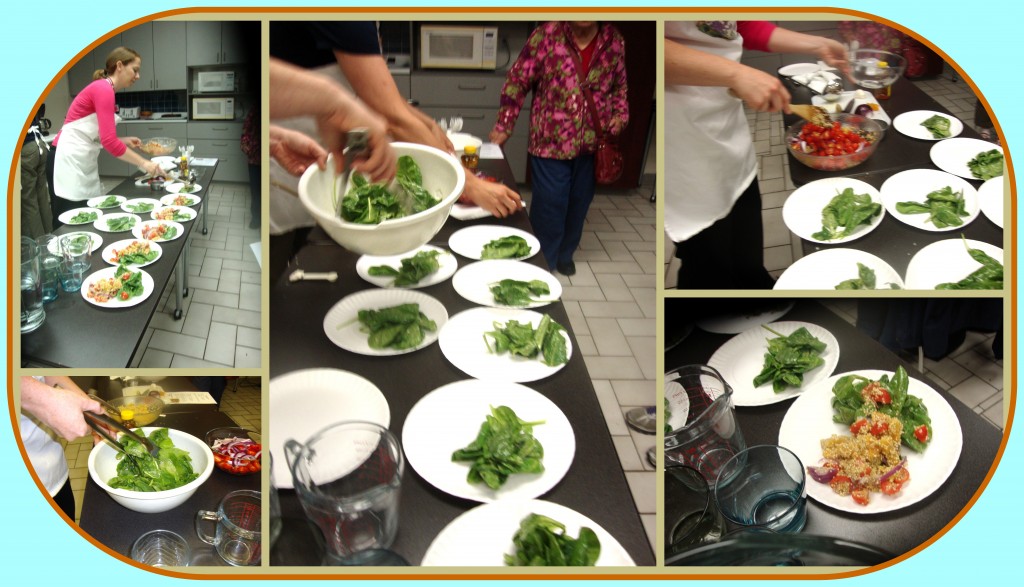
140	205
104	202
911	125
387	330
498	240
828	268
80	216
449	418
482	536
465	342
134	252
179	188
854	204
908	196
500	283
446	266
955	156
54	246
118	222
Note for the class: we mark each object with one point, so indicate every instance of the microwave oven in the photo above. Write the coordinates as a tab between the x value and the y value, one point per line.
458	47
215	81
213	108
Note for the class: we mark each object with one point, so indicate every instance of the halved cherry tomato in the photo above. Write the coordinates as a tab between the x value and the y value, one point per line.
861	496
876	393
857	426
879	428
841	484
124	295
894	483
921	433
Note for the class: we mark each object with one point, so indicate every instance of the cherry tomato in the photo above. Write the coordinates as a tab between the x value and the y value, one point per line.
894	484
857	426
876	393
861	496
841	484
124	295
921	433
879	428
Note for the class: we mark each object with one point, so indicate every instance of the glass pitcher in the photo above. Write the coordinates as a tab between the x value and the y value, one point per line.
32	312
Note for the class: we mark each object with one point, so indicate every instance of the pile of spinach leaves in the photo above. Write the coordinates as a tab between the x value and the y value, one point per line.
865	280
412	269
987	164
944	207
938	126
132	284
506	247
543	542
505	445
849	404
83	218
844	213
120	223
788	358
988	276
171	468
512	292
399	327
520	338
373	203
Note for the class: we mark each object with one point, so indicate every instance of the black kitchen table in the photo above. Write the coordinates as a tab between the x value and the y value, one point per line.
117	527
594	486
898	531
77	333
892	240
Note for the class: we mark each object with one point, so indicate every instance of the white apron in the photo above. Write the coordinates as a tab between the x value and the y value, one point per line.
710	157
76	174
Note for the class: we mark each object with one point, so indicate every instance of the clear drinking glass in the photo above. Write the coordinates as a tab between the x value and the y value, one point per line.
764	486
75	251
691	517
49	266
32	313
162	548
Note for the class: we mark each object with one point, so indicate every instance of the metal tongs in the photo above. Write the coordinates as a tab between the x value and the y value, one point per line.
103	423
356	142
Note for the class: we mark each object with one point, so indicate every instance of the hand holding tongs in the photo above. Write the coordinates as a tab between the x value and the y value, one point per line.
356	141
100	423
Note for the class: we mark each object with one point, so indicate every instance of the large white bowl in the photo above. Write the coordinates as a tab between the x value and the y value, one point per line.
443	177
103	467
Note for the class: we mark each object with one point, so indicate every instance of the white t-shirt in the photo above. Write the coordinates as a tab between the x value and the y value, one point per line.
709	152
44	452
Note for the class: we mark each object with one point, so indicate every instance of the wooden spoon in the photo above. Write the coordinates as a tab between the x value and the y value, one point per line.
813	114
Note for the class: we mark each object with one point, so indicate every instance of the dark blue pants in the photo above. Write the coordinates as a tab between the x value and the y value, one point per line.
562	192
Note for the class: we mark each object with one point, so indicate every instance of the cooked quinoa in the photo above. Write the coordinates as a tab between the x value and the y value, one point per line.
865	456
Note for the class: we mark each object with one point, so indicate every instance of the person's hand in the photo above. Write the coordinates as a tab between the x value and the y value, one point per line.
833	53
133	142
60	407
761	91
494	197
615	127
498	137
380	161
154	169
295	151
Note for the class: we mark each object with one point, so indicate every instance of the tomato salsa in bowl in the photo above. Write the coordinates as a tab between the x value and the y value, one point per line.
235	450
848	142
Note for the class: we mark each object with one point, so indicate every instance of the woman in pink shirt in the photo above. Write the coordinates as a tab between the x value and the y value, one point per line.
90	126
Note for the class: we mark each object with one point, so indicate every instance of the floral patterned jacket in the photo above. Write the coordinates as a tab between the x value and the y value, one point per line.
560	124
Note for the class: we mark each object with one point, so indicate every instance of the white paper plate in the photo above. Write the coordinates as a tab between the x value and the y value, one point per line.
66	217
447	264
802	210
798	69
909	123
741	359
137	201
137	231
914	185
449	418
168	200
474	281
462	343
304	402
468	212
101	222
54	246
108	251
482	536
828	268
809	420
116	303
176	187
163	160
177	210
94	202
953	155
737	323
946	261
342	327
470	241
991	196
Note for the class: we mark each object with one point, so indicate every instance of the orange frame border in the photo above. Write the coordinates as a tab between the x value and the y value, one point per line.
651	573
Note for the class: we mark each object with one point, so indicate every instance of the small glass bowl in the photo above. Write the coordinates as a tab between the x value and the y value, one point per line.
241	464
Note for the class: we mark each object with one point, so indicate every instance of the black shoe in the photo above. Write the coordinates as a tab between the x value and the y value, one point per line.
567	269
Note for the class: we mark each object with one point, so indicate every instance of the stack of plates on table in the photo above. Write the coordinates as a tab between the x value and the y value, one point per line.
914	185
304	402
828	268
741	359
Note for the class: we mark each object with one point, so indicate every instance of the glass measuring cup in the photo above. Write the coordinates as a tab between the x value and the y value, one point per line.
705	434
237	519
348	477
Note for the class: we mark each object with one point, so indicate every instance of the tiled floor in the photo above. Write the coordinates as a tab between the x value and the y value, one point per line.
611	302
241	402
220	326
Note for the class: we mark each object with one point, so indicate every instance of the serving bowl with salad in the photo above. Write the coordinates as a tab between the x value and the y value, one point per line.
849	142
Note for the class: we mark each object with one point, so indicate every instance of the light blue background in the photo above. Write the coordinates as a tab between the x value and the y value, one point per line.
39	38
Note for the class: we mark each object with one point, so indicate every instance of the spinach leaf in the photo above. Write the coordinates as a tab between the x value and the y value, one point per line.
504	446
120	223
988	276
170	469
938	126
399	327
987	164
140	207
788	358
511	292
520	338
507	247
83	218
844	213
132	284
542	541
944	207
370	203
850	404
412	269
108	202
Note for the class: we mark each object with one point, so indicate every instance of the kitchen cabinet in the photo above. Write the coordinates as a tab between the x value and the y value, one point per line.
80	75
169	66
140	39
223	140
112	166
213	43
